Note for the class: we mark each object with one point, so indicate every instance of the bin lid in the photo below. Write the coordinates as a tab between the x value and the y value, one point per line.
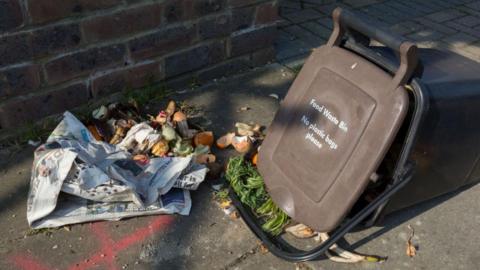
330	134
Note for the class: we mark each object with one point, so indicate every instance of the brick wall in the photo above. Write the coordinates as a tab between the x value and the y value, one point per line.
59	54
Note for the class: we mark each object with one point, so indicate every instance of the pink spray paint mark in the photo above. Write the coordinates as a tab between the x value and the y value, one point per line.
107	251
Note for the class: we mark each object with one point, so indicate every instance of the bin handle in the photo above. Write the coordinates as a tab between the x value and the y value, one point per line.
344	20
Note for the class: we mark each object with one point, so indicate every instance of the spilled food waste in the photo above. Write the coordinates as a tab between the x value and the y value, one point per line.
118	164
248	185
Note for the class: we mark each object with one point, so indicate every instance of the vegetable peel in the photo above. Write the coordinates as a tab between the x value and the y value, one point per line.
248	184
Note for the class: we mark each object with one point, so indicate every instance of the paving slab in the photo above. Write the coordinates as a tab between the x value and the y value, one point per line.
446	228
440	24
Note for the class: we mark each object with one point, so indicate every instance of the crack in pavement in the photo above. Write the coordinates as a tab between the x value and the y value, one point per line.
242	257
255	250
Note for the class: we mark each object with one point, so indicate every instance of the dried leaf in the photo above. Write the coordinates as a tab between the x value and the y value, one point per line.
301	231
225	204
375	259
234	215
302	266
411	249
263	249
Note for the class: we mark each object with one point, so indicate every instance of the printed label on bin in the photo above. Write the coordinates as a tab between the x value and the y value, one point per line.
323	132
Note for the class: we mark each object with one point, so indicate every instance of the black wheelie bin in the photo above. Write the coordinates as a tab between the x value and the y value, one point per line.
367	130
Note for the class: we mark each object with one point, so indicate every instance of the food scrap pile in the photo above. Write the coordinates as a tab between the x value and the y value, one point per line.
118	164
167	134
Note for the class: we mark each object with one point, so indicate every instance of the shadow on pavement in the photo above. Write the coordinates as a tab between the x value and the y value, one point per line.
397	218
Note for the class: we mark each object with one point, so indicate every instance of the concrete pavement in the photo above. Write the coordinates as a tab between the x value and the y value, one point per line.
446	228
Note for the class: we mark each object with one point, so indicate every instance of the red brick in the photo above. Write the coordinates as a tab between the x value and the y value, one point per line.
162	42
178	10
237	65
19	80
242	18
124	22
204	7
50	40
21	110
242	3
132	77
227	68
224	24
84	62
255	39
194	59
10	15
48	10
266	13
15	49
214	27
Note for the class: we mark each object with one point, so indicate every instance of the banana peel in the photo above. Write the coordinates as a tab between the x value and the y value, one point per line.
345	256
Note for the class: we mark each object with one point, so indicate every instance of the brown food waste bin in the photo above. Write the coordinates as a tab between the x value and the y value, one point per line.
358	124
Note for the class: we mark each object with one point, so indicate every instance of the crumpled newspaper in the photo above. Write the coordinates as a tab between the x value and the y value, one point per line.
76	178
